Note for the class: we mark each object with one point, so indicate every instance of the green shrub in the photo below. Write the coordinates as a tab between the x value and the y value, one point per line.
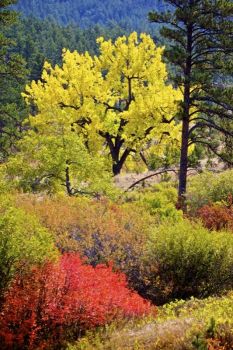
5	184
23	241
160	200
184	259
208	188
212	320
202	310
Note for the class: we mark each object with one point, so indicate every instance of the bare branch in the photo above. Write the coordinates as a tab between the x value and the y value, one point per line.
150	176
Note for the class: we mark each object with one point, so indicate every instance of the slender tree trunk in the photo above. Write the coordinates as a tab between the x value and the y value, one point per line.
183	164
183	170
68	184
144	160
185	123
184	144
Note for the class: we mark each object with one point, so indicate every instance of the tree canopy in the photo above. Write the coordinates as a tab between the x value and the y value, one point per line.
114	103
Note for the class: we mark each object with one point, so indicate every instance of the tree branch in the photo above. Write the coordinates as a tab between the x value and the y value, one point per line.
150	176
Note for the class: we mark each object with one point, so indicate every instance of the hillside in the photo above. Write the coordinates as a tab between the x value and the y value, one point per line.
131	14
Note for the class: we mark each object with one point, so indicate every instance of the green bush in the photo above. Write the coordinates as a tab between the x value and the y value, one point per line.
212	318
160	200
202	310
208	188
184	259
23	241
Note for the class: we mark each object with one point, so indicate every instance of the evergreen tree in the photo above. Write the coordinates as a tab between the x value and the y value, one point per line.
199	33
12	74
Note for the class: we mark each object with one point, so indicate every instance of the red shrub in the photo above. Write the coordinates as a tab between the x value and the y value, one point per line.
216	217
56	302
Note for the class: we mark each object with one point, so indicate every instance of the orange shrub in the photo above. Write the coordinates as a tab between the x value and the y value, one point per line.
216	217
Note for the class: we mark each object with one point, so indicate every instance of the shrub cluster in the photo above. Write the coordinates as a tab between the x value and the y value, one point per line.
56	302
100	231
173	259
159	200
184	260
207	188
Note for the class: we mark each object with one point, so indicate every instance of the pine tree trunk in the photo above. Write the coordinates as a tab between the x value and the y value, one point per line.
185	124
183	165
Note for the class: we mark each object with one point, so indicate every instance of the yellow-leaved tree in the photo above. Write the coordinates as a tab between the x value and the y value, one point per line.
112	104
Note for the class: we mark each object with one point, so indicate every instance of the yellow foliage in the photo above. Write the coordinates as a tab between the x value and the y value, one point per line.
90	107
122	92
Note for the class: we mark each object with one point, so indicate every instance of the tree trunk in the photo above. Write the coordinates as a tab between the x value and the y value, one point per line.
119	161
116	168
68	184
183	165
185	123
116	163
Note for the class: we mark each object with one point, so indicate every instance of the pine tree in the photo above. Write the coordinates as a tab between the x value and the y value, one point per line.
12	74
199	36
